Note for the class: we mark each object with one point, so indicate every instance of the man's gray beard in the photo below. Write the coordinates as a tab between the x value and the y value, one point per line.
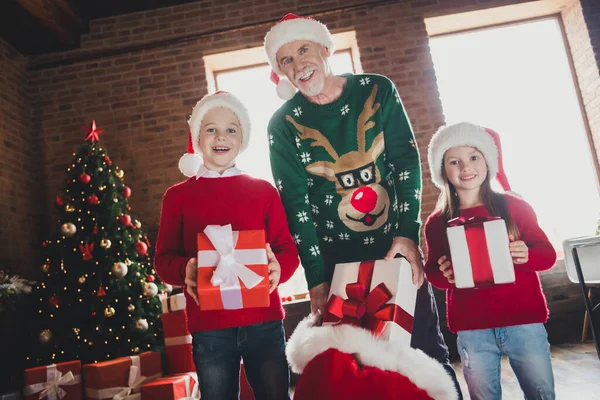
315	89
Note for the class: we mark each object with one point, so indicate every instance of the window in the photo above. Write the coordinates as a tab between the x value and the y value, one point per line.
245	74
516	79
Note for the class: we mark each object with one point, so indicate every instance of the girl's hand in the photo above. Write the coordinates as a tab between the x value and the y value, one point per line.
274	269
446	268
518	250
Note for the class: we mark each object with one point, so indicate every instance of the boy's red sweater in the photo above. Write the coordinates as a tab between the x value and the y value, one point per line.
244	202
518	303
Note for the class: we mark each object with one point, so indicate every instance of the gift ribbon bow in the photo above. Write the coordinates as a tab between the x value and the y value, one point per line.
481	264
52	387
367	310
229	271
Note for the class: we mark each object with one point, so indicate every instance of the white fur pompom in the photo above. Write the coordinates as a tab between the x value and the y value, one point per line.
189	164
285	89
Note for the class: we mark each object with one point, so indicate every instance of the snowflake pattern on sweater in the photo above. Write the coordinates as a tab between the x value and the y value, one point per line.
351	166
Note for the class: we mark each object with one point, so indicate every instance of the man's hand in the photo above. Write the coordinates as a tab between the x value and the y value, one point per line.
191	278
318	298
408	248
274	269
446	268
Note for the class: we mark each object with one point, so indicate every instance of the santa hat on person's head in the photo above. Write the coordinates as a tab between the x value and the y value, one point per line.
466	134
347	362
290	28
190	162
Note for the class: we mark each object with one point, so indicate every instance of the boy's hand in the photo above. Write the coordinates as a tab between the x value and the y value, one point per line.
446	268
191	278
518	250
274	269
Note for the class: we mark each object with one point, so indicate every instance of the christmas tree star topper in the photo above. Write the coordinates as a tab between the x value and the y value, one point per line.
94	133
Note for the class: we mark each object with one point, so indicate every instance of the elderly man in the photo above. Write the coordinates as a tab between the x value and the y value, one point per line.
346	164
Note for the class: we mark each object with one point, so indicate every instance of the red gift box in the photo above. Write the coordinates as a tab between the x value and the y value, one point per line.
178	340
174	387
54	382
232	269
123	376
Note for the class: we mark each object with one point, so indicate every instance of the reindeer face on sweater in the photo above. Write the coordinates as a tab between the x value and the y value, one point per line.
365	203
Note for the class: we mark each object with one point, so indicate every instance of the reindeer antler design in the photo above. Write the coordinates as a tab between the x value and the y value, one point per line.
363	124
319	139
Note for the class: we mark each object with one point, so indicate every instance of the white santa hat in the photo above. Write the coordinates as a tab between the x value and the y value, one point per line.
290	28
308	343
466	134
190	163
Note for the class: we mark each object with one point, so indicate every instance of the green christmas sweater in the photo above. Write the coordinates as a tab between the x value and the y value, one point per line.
348	173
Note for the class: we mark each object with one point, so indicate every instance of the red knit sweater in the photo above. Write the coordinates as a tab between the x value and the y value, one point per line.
244	202
518	303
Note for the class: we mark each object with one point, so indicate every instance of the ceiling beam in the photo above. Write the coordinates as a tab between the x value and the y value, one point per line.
57	16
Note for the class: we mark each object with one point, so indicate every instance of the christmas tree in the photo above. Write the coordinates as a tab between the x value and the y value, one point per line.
97	298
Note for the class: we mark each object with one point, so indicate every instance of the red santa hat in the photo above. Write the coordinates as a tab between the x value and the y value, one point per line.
290	28
190	162
347	362
466	134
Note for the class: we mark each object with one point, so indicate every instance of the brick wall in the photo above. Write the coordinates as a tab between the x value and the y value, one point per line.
140	92
19	184
582	27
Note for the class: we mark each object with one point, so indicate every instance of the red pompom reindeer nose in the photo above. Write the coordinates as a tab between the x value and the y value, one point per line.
364	199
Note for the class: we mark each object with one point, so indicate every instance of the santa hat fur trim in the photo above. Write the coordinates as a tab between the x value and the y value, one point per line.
308	341
190	162
466	134
290	28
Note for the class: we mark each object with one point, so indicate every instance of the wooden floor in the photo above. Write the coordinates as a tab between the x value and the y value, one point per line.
576	374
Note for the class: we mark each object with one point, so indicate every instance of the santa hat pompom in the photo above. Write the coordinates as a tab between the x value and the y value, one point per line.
190	163
285	89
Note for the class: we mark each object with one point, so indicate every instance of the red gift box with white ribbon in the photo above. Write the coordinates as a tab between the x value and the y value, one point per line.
173	387
54	382
376	295
178	341
479	252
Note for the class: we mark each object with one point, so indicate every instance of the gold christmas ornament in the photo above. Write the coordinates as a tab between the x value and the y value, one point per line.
105	243
109	312
81	280
120	174
136	349
45	336
150	289
131	308
46	268
141	325
100	169
119	269
76	330
115	200
128	262
69	208
90	343
68	229
137	224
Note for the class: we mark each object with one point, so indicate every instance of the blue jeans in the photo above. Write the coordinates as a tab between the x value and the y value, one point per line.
528	352
262	346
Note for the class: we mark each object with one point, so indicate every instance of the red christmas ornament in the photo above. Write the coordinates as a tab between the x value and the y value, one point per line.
128	208
45	243
94	133
141	248
108	161
93	200
147	241
150	278
125	219
93	313
86	251
95	230
85	178
54	301
60	201
100	293
126	192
